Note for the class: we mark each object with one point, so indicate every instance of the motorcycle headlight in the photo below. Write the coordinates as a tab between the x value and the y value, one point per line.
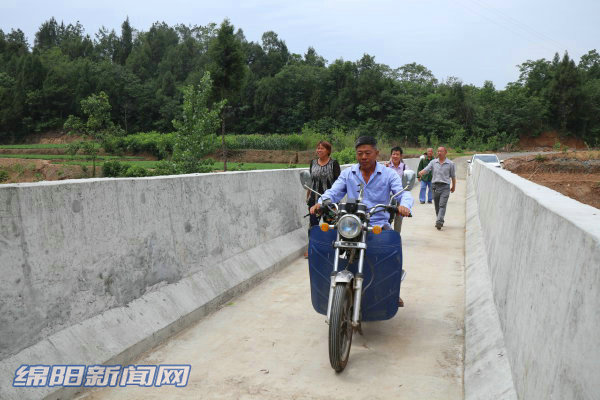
349	226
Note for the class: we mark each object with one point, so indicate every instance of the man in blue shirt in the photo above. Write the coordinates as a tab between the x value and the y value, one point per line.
378	182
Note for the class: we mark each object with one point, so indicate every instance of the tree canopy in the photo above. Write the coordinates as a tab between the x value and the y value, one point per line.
271	90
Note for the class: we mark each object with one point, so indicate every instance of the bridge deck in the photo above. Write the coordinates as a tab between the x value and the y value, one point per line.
270	344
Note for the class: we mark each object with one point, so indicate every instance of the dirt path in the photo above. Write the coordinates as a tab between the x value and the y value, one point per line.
270	344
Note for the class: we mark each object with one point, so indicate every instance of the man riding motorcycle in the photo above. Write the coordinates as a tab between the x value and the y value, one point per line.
378	182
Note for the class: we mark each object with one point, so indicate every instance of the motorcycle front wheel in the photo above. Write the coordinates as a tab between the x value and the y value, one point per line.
340	327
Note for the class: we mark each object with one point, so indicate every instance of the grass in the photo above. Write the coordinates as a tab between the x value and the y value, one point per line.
217	165
253	166
64	157
34	146
139	163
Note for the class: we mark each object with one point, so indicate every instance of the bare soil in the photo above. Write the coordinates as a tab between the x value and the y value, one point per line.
31	170
574	174
50	137
266	156
547	140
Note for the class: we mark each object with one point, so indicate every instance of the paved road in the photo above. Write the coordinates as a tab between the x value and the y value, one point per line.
270	344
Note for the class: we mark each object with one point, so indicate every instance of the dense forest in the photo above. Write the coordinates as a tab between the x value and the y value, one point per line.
271	90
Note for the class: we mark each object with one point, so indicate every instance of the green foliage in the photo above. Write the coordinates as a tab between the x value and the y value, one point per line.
345	156
97	108
266	142
227	67
90	150
540	158
73	125
156	143
557	145
113	169
136	172
3	176
19	169
113	83
195	135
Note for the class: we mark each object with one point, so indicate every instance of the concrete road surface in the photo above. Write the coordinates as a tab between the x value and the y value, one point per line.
270	344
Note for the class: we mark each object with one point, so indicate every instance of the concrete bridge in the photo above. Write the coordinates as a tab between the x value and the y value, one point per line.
206	270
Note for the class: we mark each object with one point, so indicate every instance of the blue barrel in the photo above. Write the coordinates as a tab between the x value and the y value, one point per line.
382	269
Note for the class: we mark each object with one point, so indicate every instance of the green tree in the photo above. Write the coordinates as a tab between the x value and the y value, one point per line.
126	42
563	91
98	125
196	130
227	71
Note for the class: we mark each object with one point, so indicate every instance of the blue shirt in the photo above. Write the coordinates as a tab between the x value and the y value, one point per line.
382	182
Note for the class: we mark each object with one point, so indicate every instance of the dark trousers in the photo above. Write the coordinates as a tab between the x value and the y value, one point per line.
441	193
314	219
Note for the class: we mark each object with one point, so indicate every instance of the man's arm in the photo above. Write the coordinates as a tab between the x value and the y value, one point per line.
427	168
335	193
420	167
453	176
405	200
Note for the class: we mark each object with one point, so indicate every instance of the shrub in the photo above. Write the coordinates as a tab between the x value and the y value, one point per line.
266	142
113	169
136	171
557	145
540	158
346	156
3	176
156	143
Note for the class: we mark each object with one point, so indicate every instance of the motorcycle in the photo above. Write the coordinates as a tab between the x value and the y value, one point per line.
338	251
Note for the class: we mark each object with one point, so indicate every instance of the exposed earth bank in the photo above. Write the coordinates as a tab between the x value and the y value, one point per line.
574	174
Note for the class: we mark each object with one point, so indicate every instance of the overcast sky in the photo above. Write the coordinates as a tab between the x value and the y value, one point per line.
474	40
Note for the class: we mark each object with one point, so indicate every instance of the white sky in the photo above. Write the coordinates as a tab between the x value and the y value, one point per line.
474	40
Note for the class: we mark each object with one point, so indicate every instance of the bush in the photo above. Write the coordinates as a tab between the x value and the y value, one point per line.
113	169
346	156
3	176
156	143
265	142
135	171
117	169
557	145
165	167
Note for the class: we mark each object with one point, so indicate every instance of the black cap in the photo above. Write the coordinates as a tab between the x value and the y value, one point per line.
365	140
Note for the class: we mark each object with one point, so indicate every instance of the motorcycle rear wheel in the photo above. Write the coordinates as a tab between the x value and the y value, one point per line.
340	327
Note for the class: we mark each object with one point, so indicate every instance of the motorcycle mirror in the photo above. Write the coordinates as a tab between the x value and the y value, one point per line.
408	179
305	178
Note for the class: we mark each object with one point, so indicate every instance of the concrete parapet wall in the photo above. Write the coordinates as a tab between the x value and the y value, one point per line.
543	252
487	372
99	270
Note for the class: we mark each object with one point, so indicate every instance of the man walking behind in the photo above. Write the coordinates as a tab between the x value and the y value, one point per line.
443	172
426	179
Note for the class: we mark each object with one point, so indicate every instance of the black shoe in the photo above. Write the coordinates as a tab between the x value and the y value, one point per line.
438	226
422	202
429	202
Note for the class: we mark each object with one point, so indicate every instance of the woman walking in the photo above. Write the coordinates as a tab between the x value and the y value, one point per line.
324	170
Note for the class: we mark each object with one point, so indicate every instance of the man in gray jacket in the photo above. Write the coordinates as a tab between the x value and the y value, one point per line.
444	173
